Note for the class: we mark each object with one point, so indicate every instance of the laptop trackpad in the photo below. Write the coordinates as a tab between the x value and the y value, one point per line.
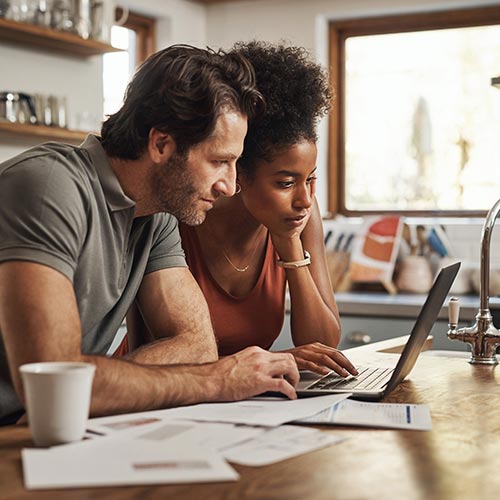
307	378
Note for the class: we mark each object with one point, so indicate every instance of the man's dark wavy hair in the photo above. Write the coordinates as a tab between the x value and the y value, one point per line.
181	91
297	95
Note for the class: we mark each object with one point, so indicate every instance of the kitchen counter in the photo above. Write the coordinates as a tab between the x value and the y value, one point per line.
404	305
368	317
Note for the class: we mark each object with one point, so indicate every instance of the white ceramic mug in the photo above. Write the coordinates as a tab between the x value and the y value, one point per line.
57	396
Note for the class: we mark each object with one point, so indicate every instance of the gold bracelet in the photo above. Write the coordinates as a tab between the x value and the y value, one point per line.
297	263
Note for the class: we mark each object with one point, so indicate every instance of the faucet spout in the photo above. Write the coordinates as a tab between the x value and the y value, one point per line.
483	337
484	289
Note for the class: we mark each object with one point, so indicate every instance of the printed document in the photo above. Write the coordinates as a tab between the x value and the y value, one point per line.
393	416
165	453
278	444
266	412
240	444
197	435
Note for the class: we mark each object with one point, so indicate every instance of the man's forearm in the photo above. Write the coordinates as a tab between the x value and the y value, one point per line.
122	386
176	350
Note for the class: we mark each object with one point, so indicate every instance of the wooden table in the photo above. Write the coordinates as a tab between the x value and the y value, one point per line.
458	459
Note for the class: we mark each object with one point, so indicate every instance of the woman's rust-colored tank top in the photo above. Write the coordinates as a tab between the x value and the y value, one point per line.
239	322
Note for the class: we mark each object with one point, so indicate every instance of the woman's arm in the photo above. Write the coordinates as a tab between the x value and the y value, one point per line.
314	313
314	318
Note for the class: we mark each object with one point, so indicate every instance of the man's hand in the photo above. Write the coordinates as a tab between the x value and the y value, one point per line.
322	359
253	371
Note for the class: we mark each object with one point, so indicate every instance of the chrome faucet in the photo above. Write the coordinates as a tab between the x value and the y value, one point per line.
483	337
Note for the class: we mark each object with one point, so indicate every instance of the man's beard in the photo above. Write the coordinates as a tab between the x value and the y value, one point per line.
176	192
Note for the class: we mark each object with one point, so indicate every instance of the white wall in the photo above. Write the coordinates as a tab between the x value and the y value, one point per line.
304	22
179	21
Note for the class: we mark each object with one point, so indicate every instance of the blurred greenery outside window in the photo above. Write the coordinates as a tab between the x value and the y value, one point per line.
417	122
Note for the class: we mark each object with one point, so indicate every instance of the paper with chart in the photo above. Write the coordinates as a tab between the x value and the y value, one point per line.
393	416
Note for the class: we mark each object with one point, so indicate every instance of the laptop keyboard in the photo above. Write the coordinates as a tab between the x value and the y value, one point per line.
367	378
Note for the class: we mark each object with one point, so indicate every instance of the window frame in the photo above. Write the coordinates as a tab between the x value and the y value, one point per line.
145	30
339	31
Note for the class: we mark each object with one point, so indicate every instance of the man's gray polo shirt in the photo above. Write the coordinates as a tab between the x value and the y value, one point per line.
62	206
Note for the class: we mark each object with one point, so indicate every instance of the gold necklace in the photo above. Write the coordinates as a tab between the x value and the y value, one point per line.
236	268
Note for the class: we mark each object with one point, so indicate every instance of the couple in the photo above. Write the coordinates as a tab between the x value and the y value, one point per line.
88	235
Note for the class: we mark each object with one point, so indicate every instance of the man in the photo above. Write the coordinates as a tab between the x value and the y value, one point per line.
86	237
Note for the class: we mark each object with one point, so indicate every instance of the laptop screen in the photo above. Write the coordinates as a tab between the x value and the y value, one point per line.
426	319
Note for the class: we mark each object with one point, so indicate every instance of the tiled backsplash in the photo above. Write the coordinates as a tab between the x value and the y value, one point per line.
464	235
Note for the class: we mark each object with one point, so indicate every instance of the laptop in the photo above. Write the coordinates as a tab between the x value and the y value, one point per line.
372	384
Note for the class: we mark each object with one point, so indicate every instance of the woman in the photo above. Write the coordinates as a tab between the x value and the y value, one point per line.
270	233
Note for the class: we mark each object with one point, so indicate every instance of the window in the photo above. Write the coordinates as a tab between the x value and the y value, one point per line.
135	34
416	124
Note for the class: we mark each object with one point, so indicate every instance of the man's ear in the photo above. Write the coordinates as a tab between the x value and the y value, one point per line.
161	146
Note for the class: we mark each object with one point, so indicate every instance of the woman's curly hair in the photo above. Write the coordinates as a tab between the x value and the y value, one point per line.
297	95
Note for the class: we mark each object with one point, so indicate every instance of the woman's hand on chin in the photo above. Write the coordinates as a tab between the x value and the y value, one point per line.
287	229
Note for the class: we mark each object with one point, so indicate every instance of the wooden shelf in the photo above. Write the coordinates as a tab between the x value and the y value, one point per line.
48	39
33	133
